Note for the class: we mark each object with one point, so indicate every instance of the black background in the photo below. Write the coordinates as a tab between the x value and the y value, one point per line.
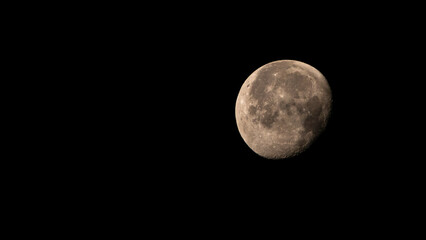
138	106
171	86
204	69
184	142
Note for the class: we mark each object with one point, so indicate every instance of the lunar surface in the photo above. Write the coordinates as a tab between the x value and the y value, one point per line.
282	107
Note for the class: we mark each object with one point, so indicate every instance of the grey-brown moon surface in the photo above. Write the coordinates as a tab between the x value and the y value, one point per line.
282	107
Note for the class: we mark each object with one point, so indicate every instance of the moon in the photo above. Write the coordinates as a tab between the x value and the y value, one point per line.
282	107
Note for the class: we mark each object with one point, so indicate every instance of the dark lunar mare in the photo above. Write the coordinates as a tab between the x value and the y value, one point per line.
313	122
264	101
294	82
287	107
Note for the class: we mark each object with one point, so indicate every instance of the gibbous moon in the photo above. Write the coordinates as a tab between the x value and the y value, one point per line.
282	108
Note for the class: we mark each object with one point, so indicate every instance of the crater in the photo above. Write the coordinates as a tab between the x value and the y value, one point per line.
301	142
252	110
300	109
269	118
287	107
